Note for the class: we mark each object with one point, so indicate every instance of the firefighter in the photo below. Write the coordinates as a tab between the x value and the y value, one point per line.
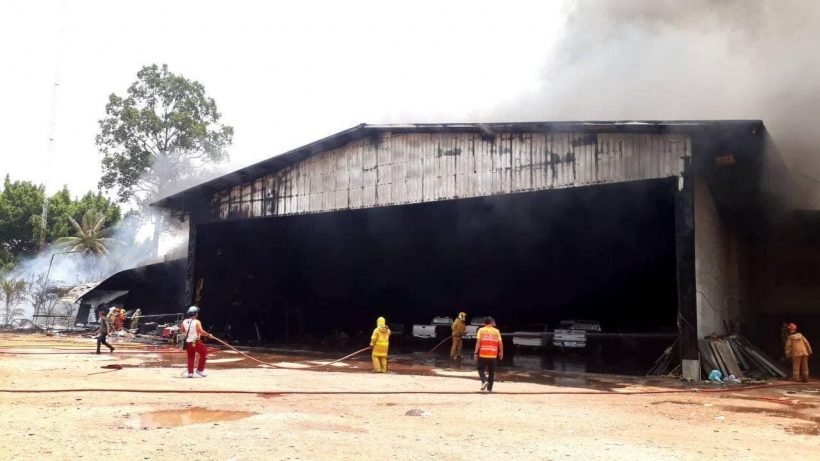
119	319
192	334
489	349
459	328
135	320
380	342
799	350
112	314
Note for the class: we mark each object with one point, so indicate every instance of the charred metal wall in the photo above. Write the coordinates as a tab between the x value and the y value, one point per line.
604	252
396	169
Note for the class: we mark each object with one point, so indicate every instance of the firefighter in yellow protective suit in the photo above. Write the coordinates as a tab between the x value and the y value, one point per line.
380	342
798	350
459	328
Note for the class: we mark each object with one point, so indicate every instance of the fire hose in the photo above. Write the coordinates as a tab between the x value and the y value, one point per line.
286	392
263	392
249	357
439	344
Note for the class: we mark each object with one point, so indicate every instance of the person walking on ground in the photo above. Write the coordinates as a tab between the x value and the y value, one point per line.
799	350
380	342
489	349
459	328
105	328
192	334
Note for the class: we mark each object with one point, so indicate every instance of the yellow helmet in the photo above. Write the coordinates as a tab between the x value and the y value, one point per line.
380	321
462	314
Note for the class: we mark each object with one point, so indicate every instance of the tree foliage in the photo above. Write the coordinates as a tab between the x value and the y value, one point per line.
21	208
64	210
12	293
160	133
91	235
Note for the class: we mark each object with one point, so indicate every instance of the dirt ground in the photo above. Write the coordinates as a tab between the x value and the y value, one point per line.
350	414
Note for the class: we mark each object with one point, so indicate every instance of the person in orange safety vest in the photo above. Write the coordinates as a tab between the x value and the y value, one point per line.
489	349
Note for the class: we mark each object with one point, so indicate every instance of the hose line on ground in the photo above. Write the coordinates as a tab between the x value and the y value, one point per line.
285	392
286	368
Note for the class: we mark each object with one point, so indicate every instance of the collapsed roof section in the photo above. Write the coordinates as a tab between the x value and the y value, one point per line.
148	286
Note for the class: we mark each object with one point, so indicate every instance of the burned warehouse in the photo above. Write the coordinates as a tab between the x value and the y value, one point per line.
684	229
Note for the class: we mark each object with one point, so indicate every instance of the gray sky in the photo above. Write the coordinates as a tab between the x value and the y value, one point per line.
283	74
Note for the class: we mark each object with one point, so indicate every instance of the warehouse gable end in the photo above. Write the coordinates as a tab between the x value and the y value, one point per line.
408	168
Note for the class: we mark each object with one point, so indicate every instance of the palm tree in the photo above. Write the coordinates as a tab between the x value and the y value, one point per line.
12	292
91	236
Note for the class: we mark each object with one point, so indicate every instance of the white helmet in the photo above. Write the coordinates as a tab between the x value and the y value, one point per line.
193	310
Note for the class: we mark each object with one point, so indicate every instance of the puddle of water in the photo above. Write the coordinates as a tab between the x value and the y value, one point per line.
175	418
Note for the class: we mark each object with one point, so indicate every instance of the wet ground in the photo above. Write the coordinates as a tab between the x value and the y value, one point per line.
425	409
588	368
609	355
522	368
162	419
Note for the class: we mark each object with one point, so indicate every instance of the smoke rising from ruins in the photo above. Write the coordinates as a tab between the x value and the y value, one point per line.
698	60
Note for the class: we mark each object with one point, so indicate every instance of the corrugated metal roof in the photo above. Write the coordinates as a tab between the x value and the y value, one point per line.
362	131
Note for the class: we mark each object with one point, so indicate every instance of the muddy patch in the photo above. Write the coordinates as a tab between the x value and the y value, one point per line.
164	419
676	402
778	412
803	429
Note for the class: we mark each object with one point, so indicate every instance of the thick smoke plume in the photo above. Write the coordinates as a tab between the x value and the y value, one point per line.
698	59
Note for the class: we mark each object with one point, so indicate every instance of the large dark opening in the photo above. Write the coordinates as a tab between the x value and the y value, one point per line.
601	252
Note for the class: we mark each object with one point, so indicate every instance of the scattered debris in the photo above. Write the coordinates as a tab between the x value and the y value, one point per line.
735	355
662	365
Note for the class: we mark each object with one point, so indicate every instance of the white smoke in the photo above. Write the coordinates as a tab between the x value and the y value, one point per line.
132	249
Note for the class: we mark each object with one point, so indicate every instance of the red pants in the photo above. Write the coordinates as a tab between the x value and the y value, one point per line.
193	349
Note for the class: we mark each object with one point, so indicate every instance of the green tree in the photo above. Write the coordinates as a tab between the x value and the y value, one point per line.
91	235
159	135
62	208
12	293
21	206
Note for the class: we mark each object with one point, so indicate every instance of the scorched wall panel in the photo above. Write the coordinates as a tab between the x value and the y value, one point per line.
426	167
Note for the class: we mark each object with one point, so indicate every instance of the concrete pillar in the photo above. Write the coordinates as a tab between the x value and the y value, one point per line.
685	251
